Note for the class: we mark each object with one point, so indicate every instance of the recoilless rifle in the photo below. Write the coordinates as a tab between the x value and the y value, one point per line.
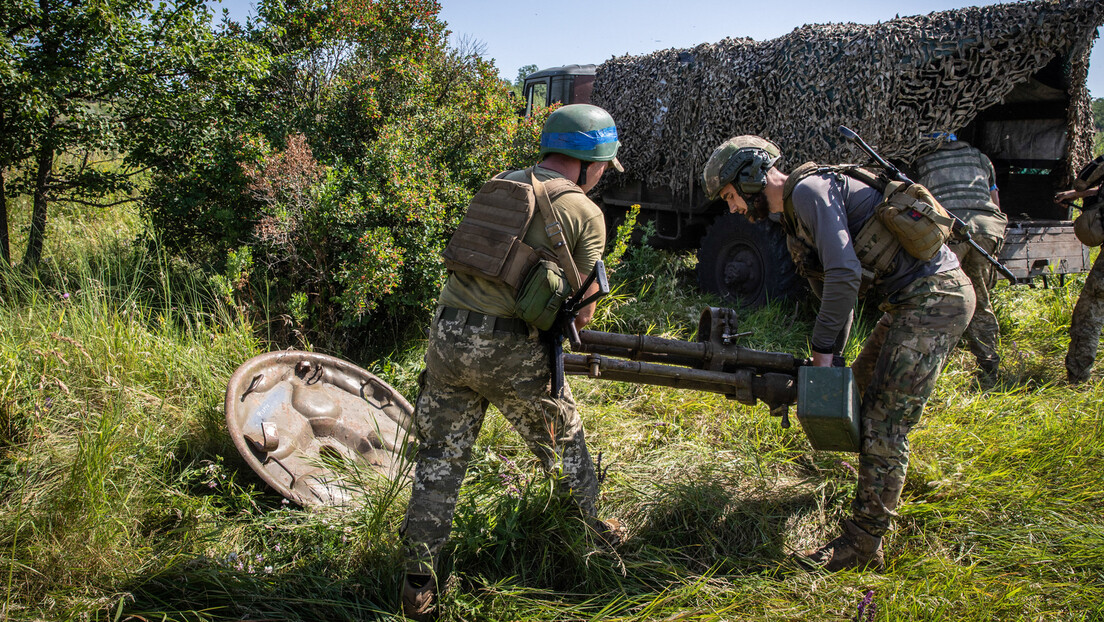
826	398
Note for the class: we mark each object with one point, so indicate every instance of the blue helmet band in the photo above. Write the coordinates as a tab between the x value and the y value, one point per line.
580	141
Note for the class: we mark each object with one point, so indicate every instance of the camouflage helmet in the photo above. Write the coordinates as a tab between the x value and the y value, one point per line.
742	161
582	131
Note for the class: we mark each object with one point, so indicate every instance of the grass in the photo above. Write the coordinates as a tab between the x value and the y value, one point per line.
122	497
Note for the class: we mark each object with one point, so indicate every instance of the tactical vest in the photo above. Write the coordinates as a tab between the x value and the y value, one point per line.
960	176
489	242
908	218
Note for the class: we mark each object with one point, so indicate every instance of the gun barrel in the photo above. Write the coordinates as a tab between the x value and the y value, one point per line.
700	355
743	384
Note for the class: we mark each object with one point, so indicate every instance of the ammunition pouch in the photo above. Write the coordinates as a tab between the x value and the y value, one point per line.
542	294
915	218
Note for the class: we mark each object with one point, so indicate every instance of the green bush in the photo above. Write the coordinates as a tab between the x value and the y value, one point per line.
348	178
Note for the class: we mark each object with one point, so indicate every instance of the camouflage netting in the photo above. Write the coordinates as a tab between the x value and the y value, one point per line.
891	82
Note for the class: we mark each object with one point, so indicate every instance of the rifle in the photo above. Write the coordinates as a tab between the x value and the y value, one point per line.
959	229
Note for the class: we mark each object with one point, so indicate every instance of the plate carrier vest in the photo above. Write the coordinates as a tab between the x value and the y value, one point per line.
489	242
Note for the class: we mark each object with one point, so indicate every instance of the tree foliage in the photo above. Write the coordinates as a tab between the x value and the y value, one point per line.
341	170
69	71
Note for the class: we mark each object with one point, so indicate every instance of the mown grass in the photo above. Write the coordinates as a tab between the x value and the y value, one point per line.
122	497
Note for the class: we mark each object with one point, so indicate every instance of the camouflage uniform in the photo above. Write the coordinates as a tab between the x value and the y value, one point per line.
1085	325
926	307
896	371
467	368
962	178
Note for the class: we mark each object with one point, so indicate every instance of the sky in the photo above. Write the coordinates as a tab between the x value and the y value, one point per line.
548	34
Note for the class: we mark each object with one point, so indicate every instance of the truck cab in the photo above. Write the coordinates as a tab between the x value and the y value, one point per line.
570	84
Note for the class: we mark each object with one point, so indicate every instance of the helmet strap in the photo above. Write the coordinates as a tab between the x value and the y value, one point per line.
583	166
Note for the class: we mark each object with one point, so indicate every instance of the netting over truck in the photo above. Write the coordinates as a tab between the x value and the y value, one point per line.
893	82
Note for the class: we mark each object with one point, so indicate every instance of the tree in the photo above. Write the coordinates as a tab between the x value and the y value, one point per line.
69	72
519	81
1098	122
333	184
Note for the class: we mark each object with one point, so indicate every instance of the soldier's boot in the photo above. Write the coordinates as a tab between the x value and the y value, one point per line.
419	598
988	370
855	549
1074	373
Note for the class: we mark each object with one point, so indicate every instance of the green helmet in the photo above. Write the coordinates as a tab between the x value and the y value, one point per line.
583	132
742	161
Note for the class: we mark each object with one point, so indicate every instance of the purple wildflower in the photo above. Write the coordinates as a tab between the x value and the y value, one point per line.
867	606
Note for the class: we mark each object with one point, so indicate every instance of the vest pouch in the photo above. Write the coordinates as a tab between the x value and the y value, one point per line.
876	247
1089	228
916	218
542	294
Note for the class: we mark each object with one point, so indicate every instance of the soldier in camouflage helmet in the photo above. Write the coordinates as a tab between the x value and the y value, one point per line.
481	353
1088	313
963	180
926	306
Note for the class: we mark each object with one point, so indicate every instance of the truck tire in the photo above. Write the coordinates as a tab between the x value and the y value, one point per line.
747	264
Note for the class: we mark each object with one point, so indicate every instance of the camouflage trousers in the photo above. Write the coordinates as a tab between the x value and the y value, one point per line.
468	368
896	372
1085	325
983	332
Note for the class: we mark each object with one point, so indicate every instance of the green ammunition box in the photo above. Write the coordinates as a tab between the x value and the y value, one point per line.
828	408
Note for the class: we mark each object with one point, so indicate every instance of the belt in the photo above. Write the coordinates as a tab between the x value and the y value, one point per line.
513	325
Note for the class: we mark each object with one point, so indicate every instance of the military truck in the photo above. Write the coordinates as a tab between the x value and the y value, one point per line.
1008	78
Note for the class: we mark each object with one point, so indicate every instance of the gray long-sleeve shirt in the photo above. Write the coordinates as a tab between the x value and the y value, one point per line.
834	208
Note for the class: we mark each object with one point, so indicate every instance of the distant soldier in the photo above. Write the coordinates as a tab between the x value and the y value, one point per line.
481	352
965	183
1088	313
927	305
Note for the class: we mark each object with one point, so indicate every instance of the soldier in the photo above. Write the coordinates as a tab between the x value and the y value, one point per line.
927	305
480	352
965	183
1088	313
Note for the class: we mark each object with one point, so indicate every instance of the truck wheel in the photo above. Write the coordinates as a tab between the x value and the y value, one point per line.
746	263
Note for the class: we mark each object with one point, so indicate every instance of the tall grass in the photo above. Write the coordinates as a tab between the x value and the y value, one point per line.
122	497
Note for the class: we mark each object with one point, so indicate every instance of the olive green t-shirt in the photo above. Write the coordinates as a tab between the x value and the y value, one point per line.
584	229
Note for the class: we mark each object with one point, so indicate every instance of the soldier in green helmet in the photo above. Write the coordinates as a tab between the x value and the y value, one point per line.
480	352
828	215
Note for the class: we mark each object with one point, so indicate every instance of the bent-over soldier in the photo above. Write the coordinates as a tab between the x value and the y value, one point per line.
926	306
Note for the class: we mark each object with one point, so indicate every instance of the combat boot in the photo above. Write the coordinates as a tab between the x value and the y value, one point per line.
419	598
855	549
988	372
